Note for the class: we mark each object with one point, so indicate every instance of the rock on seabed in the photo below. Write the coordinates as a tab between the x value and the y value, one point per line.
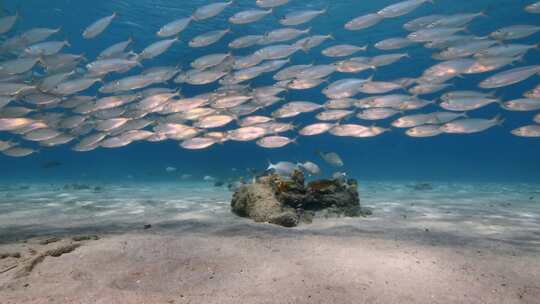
288	201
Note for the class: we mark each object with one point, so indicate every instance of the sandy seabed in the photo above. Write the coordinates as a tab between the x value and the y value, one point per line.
457	243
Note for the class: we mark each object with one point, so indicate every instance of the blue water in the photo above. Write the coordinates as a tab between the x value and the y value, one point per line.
494	155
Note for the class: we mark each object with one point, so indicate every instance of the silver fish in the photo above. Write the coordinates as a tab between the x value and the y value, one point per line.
46	48
300	17
533	8
270	3
471	125
316	129
393	43
363	22
523	104
19	151
274	141
424	131
41	134
332	158
246	133
509	77
70	87
527	131
401	8
310	167
197	143
283	168
278	51
207	39
209	61
210	10
10	124
350	130
456	20
421	22
115	49
343	50
174	28
282	35
514	32
245	41
310	42
377	113
213	121
18	66
98	27
249	16
330	115
425	35
156	49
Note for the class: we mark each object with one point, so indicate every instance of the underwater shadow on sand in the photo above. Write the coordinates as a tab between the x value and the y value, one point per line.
525	241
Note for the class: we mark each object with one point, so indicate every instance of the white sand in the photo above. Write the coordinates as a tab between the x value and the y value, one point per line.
482	245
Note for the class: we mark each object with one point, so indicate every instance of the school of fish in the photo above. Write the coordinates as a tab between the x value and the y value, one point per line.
50	97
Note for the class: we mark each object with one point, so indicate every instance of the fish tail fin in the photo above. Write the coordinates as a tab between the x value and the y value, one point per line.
326	80
325	10
270	165
499	120
83	57
483	13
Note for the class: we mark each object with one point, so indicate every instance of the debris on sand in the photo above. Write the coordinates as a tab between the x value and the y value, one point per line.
90	237
23	260
30	264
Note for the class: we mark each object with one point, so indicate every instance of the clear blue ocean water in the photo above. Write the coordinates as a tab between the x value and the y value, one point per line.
493	155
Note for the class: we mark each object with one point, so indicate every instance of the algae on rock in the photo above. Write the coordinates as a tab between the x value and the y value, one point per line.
288	201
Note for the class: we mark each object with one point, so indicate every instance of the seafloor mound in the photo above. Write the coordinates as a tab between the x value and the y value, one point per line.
289	201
